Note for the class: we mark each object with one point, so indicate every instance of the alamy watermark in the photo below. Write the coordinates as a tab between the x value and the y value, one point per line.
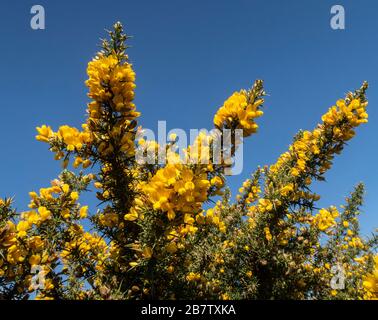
338	280
205	147
38	278
338	19
38	21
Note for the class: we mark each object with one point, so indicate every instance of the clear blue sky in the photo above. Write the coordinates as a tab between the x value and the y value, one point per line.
189	56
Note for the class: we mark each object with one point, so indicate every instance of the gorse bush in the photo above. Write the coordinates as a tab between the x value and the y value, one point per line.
170	231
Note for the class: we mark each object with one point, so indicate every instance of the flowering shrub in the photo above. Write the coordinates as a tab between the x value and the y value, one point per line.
154	234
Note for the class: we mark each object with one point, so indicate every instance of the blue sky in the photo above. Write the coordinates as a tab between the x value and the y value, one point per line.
189	56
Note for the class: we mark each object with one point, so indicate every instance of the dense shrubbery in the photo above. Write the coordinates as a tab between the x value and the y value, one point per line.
155	235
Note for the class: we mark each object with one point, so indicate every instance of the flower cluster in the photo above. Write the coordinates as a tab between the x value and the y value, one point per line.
176	188
110	80
241	109
325	218
370	282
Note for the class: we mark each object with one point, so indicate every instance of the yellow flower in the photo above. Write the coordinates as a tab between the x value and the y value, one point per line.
287	189
176	188
66	213
48	285
359	259
44	133
71	137
65	188
86	163
200	218
83	212
171	247
74	195
78	161
217	181
193	276
225	296
44	213
32	217
147	252
113	82
15	254
98	185
35	259
268	235
239	112
22	228
132	215
295	172
325	219
36	243
308	181
370	281
171	214
265	205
